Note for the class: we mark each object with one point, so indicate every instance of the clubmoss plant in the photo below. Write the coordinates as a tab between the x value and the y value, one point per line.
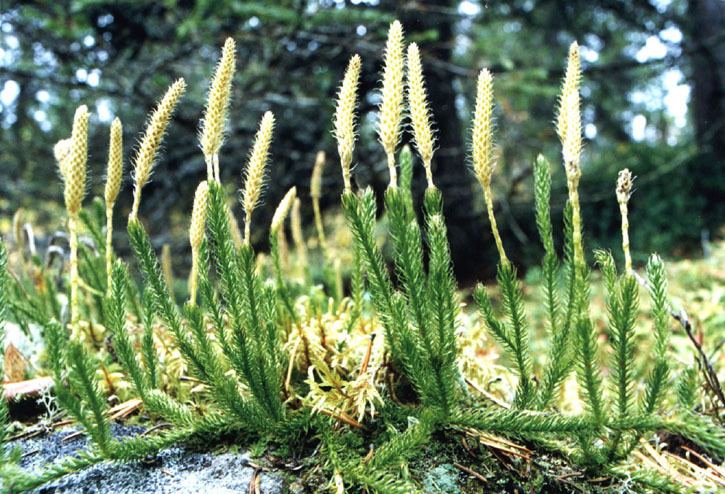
420	114
368	381
315	194
254	174
145	158
217	109
390	111
196	235
73	169
345	117
114	174
569	129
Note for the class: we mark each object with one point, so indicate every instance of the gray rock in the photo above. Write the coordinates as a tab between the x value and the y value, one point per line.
176	470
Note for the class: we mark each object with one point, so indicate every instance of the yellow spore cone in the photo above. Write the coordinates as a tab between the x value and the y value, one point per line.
114	174
484	159
420	113
216	113
297	234
345	117
624	192
283	209
391	105
143	162
114	168
255	171
60	152
316	193
73	168
196	235
569	129
75	162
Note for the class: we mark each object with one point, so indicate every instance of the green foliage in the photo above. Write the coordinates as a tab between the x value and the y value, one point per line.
559	359
232	342
234	345
514	335
4	416
76	388
420	318
657	379
613	424
116	310
254	351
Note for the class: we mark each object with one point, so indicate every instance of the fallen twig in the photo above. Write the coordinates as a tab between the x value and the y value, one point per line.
471	472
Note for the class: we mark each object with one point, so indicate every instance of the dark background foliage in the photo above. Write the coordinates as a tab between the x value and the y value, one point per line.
653	101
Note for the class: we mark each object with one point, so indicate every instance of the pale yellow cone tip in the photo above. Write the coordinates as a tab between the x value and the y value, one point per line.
345	117
624	191
297	234
419	109
234	227
316	179
574	49
114	170
392	95
61	151
198	215
143	162
483	129
572	142
257	164
155	130
280	214
568	125
74	167
625	181
216	113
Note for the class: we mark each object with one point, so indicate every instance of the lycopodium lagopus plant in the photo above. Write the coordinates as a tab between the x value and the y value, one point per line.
216	113
390	112
73	162
143	163
114	174
368	381
345	117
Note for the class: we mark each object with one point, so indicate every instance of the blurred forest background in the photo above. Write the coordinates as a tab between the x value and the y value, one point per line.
653	92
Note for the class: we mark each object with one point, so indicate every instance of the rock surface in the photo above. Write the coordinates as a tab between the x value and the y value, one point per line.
176	470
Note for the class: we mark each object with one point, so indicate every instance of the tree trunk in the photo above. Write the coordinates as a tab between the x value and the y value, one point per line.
706	43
